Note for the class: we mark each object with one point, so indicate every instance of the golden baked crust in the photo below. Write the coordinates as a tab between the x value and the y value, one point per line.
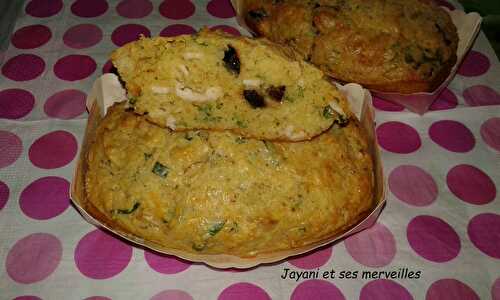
403	46
214	81
216	192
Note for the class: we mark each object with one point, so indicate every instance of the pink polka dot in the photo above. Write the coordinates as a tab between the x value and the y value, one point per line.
177	29
221	9
4	194
398	137
445	100
316	290
227	29
452	135
495	290
172	295
433	239
134	9
474	64
373	247
450	289
108	67
177	9
53	150
15	103
82	36
312	260
65	104
385	105
33	258
383	289
484	232
23	67
471	185
490	132
10	147
480	95
99	255
43	8
413	185
45	198
97	298
165	264
243	291
128	33
27	297
89	8
74	67
31	36
445	4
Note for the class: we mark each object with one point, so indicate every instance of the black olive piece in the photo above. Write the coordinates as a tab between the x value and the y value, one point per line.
253	98
276	92
342	121
231	60
257	14
114	70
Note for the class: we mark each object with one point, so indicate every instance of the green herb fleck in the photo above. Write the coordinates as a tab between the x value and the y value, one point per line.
300	92
147	156
188	136
206	113
328	112
241	124
160	170
169	215
199	246
240	140
234	227
216	227
130	210
289	99
132	100
203	135
273	157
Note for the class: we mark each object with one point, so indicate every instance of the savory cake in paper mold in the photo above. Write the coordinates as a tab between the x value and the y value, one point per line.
214	81
212	192
403	46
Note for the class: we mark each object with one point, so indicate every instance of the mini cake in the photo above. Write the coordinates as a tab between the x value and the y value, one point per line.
217	192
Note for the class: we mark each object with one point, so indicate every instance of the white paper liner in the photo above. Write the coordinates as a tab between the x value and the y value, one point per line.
468	26
107	90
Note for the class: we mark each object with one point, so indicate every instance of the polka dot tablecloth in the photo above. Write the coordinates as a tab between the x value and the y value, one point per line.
437	238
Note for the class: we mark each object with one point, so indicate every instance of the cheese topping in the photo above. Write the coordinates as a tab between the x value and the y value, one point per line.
192	55
336	108
211	93
301	83
160	89
184	69
252	82
289	132
171	122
